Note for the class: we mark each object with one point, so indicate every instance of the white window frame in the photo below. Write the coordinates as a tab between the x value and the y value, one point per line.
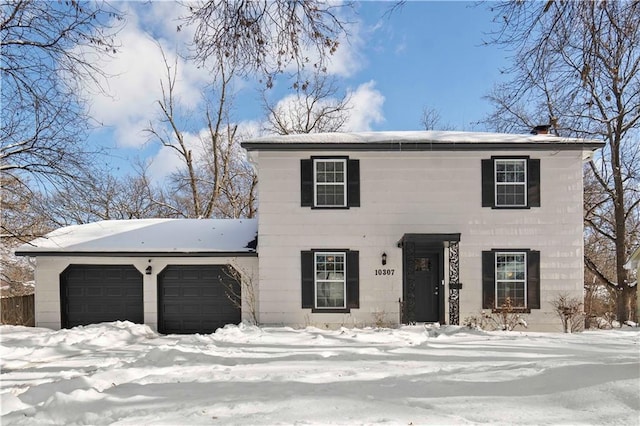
316	183
496	280
523	184
343	280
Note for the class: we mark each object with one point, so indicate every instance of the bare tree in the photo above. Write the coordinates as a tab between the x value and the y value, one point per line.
238	181
267	36
241	288
103	196
47	49
569	310
577	65
312	109
431	120
19	225
214	180
171	136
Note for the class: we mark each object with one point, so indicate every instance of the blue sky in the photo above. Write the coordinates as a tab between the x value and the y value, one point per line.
431	54
424	54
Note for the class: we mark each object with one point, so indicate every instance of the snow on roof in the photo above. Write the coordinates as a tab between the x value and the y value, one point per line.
423	137
139	236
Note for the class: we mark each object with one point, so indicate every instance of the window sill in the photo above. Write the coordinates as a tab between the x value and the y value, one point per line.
330	208
511	310
331	311
511	207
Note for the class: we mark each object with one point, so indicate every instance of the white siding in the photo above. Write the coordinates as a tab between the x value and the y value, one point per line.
48	270
414	192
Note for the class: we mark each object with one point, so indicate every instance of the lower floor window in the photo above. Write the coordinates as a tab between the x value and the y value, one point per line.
330	280
511	279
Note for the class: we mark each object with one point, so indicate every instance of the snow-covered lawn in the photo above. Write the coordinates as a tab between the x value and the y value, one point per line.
123	373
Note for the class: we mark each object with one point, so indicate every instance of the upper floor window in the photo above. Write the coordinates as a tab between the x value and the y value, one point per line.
511	182
330	182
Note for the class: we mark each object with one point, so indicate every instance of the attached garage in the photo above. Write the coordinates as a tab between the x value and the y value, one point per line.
100	293
174	275
197	298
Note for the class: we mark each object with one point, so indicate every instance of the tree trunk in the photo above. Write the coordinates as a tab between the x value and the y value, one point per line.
625	304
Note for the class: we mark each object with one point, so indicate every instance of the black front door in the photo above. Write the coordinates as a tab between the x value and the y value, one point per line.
423	293
427	287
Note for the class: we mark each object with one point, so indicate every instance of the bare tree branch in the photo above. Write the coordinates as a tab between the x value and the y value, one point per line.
313	108
267	37
578	63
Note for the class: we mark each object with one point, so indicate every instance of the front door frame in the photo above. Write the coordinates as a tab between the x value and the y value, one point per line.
425	243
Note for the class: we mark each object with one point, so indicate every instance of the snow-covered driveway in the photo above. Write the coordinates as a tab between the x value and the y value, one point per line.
123	373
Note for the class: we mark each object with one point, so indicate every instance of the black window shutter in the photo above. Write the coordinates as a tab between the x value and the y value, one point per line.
488	280
533	186
488	186
533	280
353	183
353	279
307	279
306	183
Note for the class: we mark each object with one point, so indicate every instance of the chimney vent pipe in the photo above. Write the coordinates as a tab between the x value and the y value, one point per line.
542	129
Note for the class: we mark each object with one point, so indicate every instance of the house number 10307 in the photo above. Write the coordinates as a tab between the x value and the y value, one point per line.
385	271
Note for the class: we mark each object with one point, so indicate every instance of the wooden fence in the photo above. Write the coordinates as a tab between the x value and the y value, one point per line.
18	310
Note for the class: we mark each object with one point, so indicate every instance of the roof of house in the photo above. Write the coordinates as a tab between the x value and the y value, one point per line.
144	237
418	141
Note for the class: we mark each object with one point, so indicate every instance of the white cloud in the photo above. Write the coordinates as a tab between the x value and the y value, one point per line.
366	108
348	59
250	129
163	19
363	109
136	71
365	103
167	160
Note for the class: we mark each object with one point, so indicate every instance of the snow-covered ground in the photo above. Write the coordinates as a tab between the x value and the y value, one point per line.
123	373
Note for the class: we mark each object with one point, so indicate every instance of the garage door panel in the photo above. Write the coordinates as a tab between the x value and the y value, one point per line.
212	291
101	293
170	292
93	292
171	310
191	291
132	274
171	274
133	292
75	309
114	275
74	291
191	274
213	274
194	300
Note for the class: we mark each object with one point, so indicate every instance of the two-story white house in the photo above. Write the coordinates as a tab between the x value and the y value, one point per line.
417	226
353	229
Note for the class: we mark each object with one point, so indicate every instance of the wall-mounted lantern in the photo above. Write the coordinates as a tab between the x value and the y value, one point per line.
384	258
